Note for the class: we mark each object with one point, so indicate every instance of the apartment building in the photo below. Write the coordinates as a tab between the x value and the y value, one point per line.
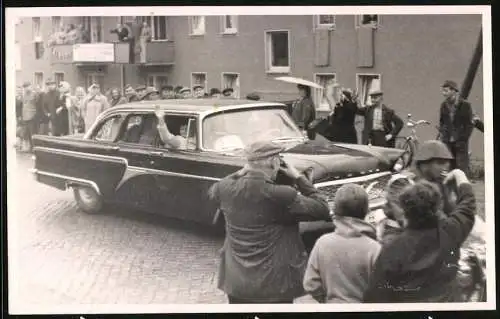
407	56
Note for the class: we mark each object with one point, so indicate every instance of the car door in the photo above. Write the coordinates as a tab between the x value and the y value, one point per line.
137	187
185	175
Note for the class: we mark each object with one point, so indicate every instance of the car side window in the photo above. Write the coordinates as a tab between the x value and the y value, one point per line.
109	129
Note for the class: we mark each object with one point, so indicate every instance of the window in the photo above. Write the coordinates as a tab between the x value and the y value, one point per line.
95	78
229	24
37	34
38	79
319	95
183	126
198	79
366	83
196	25
277	51
39	50
231	80
157	80
58	77
367	20
95	29
158	26
109	130
56	24
324	21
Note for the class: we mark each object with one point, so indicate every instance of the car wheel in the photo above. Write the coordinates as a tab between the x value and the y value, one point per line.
88	199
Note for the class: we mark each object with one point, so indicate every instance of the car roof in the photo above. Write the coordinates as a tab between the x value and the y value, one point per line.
196	105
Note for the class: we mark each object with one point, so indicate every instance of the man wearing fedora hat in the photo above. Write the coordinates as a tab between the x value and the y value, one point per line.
382	125
263	259
456	124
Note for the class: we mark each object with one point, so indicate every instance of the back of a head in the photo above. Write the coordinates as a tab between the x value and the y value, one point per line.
392	191
351	200
420	203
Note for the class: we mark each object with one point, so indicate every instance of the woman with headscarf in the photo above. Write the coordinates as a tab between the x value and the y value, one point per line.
116	97
93	105
343	108
303	110
421	263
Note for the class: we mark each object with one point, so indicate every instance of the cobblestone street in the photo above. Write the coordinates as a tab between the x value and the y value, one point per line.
65	257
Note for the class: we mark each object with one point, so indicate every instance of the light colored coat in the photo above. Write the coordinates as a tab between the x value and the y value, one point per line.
340	264
91	108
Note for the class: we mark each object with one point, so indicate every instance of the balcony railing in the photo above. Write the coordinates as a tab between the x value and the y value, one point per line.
156	53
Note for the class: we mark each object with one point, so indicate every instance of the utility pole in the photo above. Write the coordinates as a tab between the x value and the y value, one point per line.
473	66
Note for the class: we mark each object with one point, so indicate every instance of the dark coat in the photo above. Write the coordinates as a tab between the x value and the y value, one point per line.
341	128
462	122
303	112
122	34
50	102
420	265
264	258
392	123
479	125
60	121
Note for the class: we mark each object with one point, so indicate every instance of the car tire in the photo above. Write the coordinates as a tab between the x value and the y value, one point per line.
88	199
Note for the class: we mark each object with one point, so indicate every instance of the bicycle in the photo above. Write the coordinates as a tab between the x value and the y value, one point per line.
410	143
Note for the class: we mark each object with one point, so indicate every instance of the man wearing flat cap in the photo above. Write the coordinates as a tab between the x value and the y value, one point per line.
167	92
382	125
198	91
50	101
228	93
185	93
263	259
456	125
215	93
140	91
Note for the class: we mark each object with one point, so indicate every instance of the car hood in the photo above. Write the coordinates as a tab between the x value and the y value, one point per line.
332	161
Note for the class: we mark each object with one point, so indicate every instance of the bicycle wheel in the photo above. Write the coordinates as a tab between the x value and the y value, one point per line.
408	145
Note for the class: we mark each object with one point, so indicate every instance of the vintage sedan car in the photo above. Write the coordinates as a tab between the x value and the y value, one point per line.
109	165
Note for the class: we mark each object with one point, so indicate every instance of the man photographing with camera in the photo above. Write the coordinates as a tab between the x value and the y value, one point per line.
264	259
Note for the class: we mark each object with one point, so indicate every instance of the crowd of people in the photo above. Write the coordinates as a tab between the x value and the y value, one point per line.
413	254
58	110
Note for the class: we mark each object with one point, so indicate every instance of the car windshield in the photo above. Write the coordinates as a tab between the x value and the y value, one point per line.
235	130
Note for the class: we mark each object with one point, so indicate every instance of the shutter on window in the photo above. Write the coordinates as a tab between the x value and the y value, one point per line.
365	48
321	47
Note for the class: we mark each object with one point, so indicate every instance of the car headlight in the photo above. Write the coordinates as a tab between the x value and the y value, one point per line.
399	165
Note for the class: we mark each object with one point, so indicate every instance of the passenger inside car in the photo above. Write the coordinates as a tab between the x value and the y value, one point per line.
144	132
176	136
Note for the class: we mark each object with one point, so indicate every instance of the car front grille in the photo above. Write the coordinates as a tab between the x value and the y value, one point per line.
375	194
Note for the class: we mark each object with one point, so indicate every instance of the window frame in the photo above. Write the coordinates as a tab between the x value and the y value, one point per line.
328	26
155	81
55	73
151	21
191	29
358	82
37	36
101	123
316	91
358	19
229	31
222	86
192	82
35	44
270	69
34	78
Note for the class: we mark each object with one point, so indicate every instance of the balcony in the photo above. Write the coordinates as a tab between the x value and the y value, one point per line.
157	53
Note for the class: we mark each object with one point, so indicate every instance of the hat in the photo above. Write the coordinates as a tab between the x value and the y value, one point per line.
227	90
347	93
253	96
214	91
178	88
140	88
450	84
26	84
261	150
433	149
197	87
184	89
50	81
376	93
167	87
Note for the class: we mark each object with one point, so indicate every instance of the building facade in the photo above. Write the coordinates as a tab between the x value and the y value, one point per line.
407	56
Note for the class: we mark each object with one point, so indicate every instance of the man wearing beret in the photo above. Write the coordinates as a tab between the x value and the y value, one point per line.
382	125
264	259
456	125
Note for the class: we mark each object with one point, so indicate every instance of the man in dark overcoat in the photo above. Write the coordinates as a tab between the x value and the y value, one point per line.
264	259
456	125
382	124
